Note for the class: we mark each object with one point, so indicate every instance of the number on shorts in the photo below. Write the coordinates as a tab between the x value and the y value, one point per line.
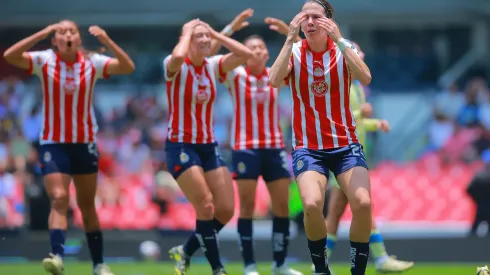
92	149
357	150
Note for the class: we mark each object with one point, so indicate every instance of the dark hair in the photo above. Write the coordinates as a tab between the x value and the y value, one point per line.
329	12
253	36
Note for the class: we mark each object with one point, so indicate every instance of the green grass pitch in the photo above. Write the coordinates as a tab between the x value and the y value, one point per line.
139	268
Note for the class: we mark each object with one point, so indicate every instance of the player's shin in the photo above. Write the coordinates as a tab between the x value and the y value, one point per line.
280	237
192	244
316	232
359	232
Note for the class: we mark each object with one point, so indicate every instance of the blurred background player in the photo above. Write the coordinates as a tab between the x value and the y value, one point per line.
68	149
193	155
319	69
338	200
258	148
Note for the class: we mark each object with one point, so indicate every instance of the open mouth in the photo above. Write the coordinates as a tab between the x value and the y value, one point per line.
69	43
311	31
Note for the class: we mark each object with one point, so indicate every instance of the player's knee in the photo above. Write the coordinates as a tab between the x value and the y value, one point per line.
205	207
247	206
86	205
361	204
224	213
313	206
59	201
281	208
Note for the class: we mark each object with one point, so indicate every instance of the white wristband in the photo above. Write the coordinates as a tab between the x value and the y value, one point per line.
343	44
228	31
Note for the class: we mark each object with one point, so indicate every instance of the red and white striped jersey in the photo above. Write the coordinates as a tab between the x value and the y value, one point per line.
256	120
68	88
191	93
320	84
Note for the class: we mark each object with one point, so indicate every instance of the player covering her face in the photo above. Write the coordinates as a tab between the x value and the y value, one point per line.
319	150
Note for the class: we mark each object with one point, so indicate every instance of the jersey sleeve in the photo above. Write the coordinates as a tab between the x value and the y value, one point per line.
227	78
216	64
100	63
37	60
165	69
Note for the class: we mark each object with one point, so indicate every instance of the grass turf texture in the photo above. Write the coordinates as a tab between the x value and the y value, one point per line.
139	268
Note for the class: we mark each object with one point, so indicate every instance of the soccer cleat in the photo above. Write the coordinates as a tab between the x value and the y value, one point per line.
392	265
182	260
102	269
285	270
53	264
220	271
250	269
313	268
482	270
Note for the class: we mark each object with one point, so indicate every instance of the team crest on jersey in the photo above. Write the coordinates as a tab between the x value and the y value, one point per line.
319	88
70	86
260	96
184	158
241	167
318	72
69	72
47	157
299	164
202	95
39	61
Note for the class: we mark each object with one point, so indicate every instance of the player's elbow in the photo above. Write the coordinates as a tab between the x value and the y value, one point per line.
8	56
274	80
129	68
365	79
275	83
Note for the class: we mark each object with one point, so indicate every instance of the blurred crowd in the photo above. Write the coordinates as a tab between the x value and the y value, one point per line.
460	129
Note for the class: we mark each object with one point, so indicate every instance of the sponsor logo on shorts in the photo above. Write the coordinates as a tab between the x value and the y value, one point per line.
184	158
299	164
241	167
47	157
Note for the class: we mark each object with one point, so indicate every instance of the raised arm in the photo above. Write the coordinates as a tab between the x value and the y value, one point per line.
238	23
358	68
122	64
239	53
281	68
180	51
280	26
17	54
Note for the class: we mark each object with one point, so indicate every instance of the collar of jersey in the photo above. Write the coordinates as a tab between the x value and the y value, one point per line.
79	58
249	72
330	45
189	62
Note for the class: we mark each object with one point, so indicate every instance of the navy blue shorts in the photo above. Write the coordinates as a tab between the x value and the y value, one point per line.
272	164
69	158
181	156
338	160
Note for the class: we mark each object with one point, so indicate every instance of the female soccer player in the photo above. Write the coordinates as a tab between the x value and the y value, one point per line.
68	150
193	156
319	69
338	201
